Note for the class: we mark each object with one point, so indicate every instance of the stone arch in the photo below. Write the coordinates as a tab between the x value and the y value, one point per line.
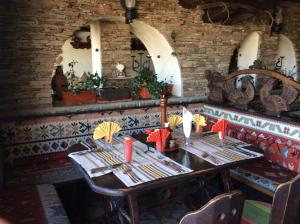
289	63
165	64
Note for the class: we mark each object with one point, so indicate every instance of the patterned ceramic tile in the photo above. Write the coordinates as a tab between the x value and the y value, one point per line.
267	125
54	134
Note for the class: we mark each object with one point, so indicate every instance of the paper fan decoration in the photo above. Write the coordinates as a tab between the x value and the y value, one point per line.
174	120
159	136
106	130
200	122
220	127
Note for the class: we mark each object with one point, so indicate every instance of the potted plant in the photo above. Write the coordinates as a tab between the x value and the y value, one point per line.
81	90
156	88
145	85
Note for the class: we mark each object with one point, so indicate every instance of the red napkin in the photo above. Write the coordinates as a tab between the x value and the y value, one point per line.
221	128
159	136
149	130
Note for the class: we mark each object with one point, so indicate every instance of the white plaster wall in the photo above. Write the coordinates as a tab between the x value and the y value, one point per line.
96	61
248	51
160	51
286	49
83	56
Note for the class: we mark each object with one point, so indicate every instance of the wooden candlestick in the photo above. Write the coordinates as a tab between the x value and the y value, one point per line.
163	102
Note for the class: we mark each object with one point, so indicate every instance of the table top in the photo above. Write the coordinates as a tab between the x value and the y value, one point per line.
110	185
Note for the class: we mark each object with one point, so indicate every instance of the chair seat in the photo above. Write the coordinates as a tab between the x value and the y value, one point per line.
256	212
54	168
32	205
262	175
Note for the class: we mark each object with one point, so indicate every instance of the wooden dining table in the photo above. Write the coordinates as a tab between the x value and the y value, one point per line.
109	185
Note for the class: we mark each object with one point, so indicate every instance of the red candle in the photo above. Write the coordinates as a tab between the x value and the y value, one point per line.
128	149
199	129
222	135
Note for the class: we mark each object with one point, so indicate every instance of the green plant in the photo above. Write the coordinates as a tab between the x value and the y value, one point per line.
156	88
149	78
89	81
143	77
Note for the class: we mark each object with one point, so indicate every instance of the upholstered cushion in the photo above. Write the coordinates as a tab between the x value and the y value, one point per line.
32	205
256	212
262	175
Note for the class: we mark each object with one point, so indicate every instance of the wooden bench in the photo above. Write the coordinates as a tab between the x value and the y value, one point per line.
280	164
52	168
32	205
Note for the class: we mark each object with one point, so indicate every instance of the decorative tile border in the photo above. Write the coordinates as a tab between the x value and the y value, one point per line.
271	126
54	134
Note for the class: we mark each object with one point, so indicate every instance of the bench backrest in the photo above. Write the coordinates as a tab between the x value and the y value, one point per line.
223	209
286	202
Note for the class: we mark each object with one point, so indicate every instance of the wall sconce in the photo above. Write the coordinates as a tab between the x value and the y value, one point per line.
129	6
277	25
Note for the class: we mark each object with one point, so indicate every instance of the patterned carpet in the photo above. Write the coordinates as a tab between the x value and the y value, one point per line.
88	207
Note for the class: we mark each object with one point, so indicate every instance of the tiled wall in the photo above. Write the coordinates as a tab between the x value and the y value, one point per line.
53	134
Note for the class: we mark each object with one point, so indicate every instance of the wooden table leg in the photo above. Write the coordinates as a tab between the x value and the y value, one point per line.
133	208
226	181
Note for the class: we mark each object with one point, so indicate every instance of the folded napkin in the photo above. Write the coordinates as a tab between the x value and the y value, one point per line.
106	130
187	118
220	127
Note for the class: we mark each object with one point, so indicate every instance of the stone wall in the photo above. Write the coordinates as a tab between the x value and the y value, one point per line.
115	47
291	28
35	30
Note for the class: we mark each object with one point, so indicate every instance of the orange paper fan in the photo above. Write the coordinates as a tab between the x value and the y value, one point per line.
106	130
220	127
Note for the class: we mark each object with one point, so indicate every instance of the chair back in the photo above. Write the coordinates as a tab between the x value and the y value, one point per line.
286	202
223	209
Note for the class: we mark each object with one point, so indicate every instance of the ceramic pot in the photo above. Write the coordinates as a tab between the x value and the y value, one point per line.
144	93
169	89
82	97
59	82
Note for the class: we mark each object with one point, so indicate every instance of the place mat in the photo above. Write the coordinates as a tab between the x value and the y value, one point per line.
147	163
91	160
211	150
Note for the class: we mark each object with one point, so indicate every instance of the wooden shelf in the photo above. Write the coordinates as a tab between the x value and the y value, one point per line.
119	77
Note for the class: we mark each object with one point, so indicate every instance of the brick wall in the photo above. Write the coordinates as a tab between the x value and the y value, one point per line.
115	47
35	30
291	28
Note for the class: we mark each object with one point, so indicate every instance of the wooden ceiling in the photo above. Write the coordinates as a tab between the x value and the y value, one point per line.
229	12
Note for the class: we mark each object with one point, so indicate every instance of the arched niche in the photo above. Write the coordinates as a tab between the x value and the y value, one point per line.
248	53
287	51
165	64
82	56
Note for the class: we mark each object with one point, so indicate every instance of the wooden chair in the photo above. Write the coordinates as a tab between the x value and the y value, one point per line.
283	210
223	209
